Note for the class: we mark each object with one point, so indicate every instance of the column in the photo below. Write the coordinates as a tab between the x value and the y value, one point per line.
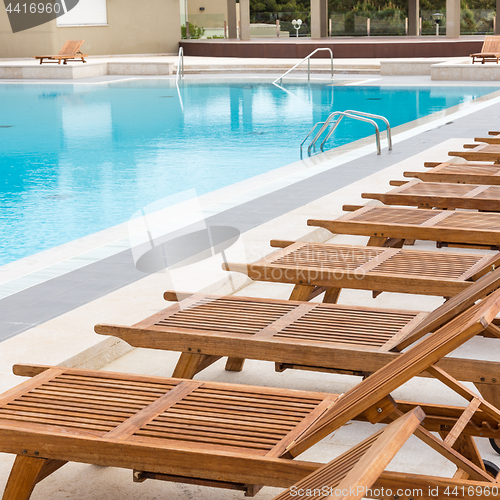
452	18
324	18
497	21
245	19
319	18
232	22
414	17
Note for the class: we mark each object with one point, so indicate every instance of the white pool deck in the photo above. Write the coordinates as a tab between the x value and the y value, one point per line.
439	68
69	340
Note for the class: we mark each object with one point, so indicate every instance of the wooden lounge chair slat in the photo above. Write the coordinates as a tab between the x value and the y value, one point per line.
144	422
464	173
15	392
482	152
481	228
257	425
285	442
324	323
211	433
232	427
146	415
40	405
442	195
369	268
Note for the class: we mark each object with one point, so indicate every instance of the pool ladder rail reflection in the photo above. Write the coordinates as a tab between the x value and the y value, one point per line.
180	74
180	65
350	113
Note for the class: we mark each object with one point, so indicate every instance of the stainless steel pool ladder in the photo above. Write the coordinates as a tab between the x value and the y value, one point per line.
308	58
180	65
350	113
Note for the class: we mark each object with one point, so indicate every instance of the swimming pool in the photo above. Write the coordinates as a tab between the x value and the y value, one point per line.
76	159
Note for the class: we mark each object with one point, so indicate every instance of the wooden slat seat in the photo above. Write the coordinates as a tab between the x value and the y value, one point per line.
463	173
206	432
490	51
441	195
370	268
461	227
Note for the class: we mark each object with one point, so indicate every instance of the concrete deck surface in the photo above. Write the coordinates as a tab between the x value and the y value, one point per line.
440	68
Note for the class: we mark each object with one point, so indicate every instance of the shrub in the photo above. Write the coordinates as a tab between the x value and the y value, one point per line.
194	31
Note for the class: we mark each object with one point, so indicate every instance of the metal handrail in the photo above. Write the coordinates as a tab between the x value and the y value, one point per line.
308	58
356	115
378	117
180	65
307	136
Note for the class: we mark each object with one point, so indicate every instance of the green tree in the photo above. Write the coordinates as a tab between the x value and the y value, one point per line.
349	5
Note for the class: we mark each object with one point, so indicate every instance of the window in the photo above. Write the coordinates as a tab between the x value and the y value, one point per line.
85	13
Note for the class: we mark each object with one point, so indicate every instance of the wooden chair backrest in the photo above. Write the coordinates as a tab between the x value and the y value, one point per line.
358	468
491	44
71	47
453	307
414	361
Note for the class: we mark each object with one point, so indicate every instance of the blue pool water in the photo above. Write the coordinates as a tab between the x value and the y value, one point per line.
76	159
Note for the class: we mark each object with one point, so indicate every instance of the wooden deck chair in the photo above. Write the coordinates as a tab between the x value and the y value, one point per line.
466	229
352	474
309	336
479	152
69	52
490	52
440	195
373	268
463	173
216	434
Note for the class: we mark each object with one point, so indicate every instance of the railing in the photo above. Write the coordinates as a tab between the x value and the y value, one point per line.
356	115
308	58
180	65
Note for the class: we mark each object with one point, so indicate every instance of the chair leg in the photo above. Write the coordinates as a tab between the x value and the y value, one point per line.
332	295
301	292
234	364
190	364
23	477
